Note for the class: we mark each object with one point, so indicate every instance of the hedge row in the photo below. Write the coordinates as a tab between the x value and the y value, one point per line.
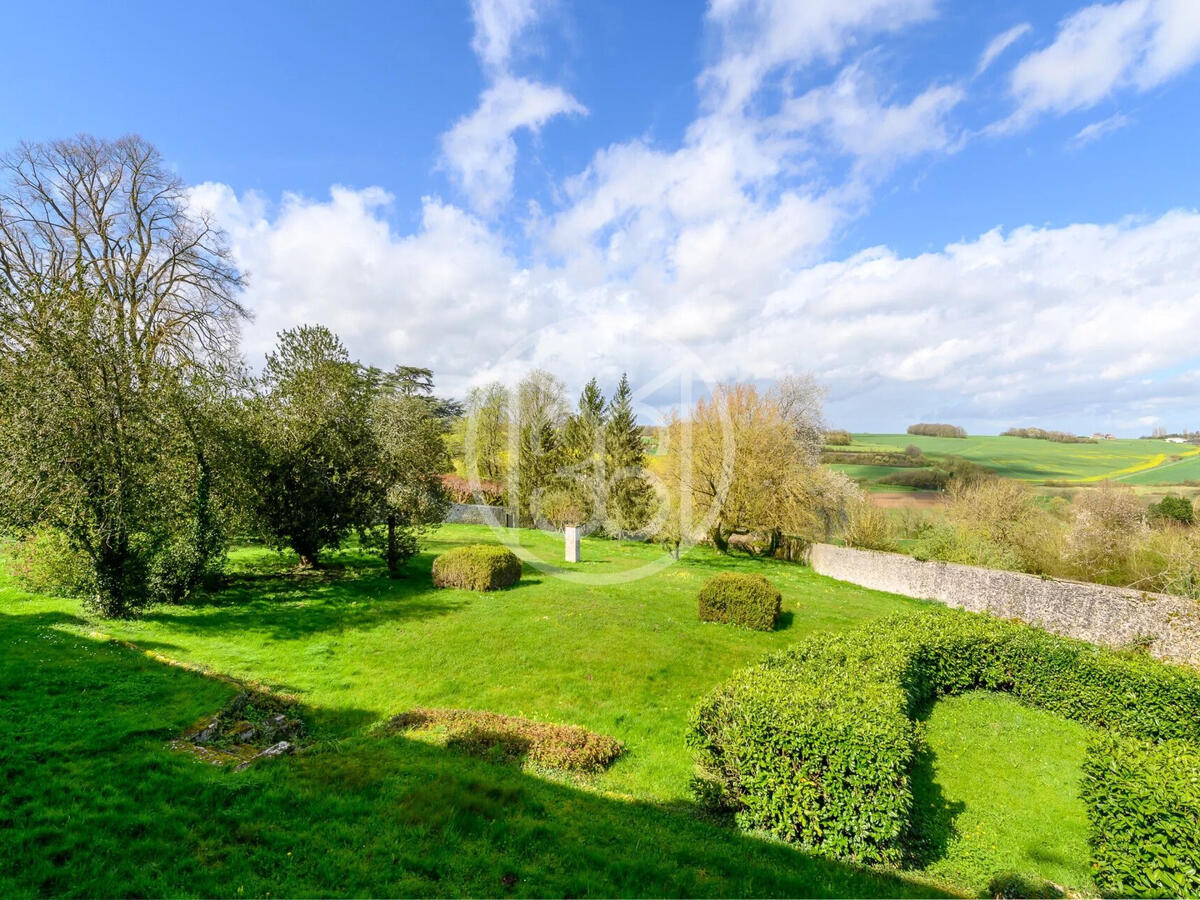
740	598
477	567
816	744
1144	816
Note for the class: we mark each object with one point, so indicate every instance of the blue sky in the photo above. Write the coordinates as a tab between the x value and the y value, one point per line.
853	187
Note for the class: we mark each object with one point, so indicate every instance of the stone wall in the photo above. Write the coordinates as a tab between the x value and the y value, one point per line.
476	514
1115	617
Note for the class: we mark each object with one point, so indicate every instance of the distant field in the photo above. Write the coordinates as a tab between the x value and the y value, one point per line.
1130	461
1186	469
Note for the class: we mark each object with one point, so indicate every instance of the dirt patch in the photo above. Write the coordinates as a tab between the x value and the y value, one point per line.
906	499
253	726
514	739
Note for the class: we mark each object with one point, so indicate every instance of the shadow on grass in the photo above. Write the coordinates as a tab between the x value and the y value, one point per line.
932	825
94	804
286	604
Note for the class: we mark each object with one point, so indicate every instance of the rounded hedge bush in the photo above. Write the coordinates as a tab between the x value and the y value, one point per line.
739	598
816	744
477	567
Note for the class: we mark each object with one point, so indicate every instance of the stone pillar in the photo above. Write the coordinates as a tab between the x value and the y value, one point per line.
572	543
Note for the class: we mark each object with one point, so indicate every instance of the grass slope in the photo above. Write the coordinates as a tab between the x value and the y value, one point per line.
1034	460
93	804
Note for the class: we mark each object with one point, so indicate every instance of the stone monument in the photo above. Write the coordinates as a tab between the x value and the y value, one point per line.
572	543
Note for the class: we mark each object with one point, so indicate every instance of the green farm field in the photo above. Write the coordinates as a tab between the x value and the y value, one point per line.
96	804
1133	461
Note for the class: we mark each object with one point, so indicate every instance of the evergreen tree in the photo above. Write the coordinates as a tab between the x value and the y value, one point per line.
629	495
583	452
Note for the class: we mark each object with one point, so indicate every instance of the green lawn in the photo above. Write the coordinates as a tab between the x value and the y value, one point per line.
1033	460
998	790
93	803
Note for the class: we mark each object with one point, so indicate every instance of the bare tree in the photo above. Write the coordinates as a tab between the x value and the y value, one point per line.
109	218
799	399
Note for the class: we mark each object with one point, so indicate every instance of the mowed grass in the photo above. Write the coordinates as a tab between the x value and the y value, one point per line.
998	790
1034	460
93	803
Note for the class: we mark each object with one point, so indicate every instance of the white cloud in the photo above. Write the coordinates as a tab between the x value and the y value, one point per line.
852	115
720	245
1036	322
498	24
758	36
479	150
1134	45
1097	130
999	44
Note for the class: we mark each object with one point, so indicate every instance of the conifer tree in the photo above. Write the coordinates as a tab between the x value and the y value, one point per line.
583	452
629	495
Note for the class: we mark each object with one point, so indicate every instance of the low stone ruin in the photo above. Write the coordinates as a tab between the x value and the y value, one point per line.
253	726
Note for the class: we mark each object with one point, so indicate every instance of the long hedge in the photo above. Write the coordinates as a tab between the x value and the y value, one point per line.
1144	817
816	744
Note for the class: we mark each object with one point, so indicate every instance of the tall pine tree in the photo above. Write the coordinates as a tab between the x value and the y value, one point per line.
583	453
629	495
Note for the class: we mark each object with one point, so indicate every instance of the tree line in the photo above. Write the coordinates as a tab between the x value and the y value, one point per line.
560	466
133	437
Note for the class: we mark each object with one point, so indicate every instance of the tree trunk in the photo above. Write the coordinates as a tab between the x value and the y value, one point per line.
773	546
718	539
393	557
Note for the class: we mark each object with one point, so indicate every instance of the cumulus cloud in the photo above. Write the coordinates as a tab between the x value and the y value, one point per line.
999	44
717	250
1132	45
1052	322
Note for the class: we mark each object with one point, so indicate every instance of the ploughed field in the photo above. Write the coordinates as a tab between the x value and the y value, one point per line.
96	802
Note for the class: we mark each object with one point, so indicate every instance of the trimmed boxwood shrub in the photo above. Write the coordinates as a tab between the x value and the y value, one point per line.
816	744
477	567
1144	817
740	598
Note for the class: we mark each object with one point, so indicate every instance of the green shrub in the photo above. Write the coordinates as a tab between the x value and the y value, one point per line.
921	479
45	563
837	438
815	745
739	598
1041	434
870	458
1173	508
1144	817
937	429
867	527
949	543
477	567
